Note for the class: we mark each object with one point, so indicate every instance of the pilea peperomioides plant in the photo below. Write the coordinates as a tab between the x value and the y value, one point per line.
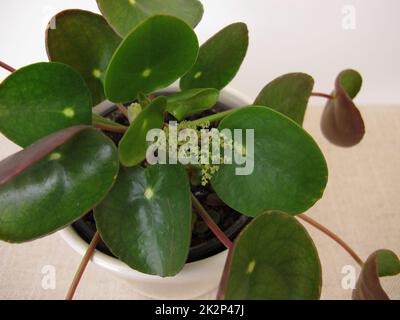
143	210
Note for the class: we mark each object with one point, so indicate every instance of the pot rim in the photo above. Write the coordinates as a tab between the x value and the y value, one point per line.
228	96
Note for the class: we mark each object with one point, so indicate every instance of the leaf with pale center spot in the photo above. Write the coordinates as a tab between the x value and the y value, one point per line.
381	263
155	54
133	146
341	122
54	182
288	94
219	59
84	41
186	103
40	99
146	219
289	173
124	15
274	258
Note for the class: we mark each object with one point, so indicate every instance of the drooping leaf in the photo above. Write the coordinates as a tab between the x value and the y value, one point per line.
54	182
379	264
133	146
289	173
40	99
146	219
86	42
341	122
125	15
186	103
288	94
274	258
152	56
219	59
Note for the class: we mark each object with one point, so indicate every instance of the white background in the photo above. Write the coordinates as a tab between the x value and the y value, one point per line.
285	36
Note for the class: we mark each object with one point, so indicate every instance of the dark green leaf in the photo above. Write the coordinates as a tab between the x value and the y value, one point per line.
274	258
288	94
133	146
40	99
290	172
86	42
380	263
124	15
219	59
146	219
54	182
186	103
341	122
152	56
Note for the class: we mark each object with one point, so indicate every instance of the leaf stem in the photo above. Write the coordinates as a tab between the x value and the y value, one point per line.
123	110
333	236
6	66
211	224
322	95
81	269
106	127
213	117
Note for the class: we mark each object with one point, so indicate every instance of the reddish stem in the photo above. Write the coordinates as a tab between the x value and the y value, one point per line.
6	66
322	95
85	260
211	224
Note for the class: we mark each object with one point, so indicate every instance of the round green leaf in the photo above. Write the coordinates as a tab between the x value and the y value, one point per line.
290	172
124	15
86	42
146	219
152	56
274	258
381	263
288	94
341	122
186	103
40	99
219	59
54	182
133	145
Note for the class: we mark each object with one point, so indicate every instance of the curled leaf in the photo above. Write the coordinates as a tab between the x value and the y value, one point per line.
379	264
341	122
133	146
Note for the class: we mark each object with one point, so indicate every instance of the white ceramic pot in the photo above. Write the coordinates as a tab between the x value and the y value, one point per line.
195	279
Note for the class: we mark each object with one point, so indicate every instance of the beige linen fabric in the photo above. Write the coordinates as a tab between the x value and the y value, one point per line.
361	204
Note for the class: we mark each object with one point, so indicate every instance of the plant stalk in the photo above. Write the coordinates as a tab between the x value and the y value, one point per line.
6	67
333	236
211	224
322	95
123	110
106	127
81	269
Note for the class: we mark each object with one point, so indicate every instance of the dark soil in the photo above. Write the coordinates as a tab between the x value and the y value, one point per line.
203	244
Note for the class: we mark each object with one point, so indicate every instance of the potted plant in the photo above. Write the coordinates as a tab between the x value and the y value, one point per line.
164	176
